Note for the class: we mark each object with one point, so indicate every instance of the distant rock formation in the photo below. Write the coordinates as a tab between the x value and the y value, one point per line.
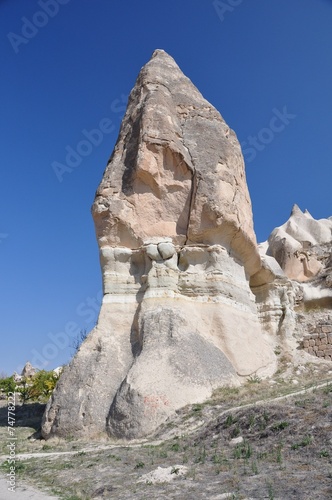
293	288
174	226
28	370
299	245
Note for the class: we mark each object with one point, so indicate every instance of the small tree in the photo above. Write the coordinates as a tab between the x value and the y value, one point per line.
24	389
7	384
39	387
43	384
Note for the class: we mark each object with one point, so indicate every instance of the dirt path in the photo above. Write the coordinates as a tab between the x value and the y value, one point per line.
22	492
26	456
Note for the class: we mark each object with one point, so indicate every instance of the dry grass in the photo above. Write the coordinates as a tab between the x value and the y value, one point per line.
286	452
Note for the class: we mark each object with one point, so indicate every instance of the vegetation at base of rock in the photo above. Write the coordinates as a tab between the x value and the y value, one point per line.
7	384
38	387
285	452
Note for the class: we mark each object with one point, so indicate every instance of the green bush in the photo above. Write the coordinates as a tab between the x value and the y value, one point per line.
39	387
43	384
7	385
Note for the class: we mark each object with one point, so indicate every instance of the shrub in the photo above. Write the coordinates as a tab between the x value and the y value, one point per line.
43	384
7	385
305	442
279	426
39	387
139	465
254	379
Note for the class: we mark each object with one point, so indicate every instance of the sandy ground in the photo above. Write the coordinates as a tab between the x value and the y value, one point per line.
21	492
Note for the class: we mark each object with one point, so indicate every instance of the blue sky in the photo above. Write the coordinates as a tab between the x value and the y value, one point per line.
67	67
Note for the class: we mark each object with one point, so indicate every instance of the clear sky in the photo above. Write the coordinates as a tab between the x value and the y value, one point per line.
66	65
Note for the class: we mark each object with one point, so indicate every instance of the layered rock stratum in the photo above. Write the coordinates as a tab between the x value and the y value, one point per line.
177	247
293	288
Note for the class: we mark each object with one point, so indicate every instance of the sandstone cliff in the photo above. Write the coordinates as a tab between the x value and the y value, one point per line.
174	226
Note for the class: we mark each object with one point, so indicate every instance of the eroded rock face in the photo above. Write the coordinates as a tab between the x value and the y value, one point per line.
28	370
298	245
293	287
177	171
174	226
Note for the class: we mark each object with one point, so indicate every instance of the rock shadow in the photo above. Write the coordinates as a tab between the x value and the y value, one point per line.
27	415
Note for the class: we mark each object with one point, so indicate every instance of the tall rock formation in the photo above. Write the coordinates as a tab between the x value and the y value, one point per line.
174	226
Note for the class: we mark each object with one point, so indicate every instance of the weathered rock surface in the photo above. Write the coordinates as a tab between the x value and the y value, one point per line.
177	248
28	370
295	244
293	288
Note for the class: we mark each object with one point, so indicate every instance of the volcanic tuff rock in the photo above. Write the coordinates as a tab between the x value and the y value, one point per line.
295	244
174	226
293	288
28	370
